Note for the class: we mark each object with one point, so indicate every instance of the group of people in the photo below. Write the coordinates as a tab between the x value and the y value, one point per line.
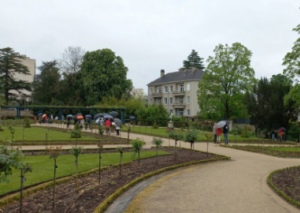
281	133
218	132
110	126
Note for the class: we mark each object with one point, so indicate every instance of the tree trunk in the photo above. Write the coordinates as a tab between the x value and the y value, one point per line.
156	154
175	154
54	182
77	174
21	192
139	158
99	164
121	156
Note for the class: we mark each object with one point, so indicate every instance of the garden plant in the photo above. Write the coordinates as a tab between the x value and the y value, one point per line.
157	142
137	145
120	149
76	151
175	136
191	137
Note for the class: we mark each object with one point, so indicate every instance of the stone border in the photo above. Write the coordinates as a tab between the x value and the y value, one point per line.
279	192
103	206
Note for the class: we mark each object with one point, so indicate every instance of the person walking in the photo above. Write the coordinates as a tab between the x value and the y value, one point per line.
280	134
68	122
225	132
273	135
219	133
117	129
107	126
215	132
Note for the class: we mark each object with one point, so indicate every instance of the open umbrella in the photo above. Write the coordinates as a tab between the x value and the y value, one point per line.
283	129
108	116
114	113
40	114
88	116
132	117
79	117
117	121
70	116
44	115
99	115
221	124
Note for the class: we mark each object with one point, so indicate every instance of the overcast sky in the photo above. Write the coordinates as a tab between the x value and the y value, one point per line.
151	35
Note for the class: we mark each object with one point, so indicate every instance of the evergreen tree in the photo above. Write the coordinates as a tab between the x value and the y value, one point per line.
10	64
193	60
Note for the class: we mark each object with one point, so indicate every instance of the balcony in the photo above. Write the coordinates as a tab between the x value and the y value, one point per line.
179	93
157	95
179	105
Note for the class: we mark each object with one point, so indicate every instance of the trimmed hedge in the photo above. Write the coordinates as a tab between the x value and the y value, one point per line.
281	193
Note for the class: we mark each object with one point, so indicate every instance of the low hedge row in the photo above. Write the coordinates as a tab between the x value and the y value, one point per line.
102	207
279	192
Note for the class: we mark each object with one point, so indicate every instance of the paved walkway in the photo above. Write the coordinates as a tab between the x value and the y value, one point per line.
238	185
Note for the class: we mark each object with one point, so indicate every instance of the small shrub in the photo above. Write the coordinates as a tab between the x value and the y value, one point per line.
244	133
76	134
77	126
27	123
155	125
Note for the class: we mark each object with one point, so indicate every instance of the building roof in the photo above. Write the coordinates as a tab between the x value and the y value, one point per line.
184	75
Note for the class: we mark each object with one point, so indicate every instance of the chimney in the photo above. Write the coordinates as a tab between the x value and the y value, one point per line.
162	73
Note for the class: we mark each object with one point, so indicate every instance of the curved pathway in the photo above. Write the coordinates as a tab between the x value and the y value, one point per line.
238	185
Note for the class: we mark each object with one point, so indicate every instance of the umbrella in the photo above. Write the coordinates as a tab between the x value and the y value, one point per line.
79	117
70	116
132	117
114	113
40	114
99	115
117	121
44	115
88	116
283	129
107	116
221	124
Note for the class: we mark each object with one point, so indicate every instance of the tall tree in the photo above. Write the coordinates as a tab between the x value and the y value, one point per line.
46	84
266	106
193	60
104	75
292	70
10	64
227	77
72	58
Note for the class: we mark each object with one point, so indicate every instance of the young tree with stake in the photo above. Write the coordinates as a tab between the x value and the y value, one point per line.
137	145
176	136
120	149
54	152
76	151
191	137
157	142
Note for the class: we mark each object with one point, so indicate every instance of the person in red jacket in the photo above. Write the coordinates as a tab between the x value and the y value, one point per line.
219	133
107	126
280	134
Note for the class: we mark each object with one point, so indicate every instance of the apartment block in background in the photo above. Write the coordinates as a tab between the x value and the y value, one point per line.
31	65
177	91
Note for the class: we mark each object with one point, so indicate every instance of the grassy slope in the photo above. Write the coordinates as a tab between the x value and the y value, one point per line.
36	133
162	132
43	167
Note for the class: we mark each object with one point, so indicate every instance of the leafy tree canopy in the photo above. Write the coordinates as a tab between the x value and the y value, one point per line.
266	106
104	75
10	65
193	60
227	77
46	85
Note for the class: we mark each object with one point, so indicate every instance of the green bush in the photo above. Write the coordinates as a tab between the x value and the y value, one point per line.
27	123
155	125
244	133
294	131
77	127
76	134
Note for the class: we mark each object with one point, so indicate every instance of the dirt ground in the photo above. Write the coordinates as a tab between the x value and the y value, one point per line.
91	193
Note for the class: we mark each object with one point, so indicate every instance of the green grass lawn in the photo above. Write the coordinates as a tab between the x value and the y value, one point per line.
163	132
43	167
36	133
284	149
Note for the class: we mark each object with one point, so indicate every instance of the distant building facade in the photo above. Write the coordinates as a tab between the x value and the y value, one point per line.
31	65
177	91
136	92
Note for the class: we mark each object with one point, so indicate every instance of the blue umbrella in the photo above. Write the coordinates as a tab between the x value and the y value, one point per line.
40	114
70	116
132	117
88	116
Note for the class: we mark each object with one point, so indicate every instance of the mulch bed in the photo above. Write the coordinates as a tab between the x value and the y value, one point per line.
287	181
91	193
262	150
